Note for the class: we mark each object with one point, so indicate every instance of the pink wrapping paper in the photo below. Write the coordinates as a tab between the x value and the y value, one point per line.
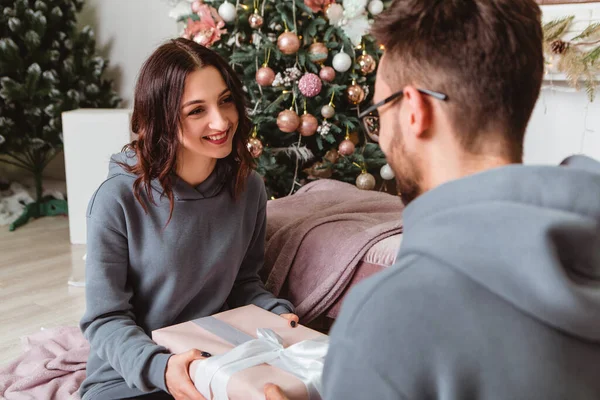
247	384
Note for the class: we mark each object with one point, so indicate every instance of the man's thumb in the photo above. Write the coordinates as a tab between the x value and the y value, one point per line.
274	392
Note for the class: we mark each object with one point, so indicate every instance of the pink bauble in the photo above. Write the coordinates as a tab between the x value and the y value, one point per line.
310	85
327	74
308	125
288	43
346	147
288	121
265	76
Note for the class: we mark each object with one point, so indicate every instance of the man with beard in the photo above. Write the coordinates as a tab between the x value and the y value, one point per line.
495	293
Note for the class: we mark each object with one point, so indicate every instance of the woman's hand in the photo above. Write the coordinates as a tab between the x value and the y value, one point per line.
177	378
293	318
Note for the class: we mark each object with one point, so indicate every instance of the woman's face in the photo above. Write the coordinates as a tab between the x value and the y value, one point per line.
208	114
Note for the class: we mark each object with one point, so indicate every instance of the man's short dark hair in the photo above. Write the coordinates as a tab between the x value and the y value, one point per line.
486	55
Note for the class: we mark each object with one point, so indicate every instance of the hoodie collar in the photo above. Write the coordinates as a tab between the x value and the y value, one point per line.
529	234
515	183
210	187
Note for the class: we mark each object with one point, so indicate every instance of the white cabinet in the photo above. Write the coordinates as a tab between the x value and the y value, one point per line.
90	137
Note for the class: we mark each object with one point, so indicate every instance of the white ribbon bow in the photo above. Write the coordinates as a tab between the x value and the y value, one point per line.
303	359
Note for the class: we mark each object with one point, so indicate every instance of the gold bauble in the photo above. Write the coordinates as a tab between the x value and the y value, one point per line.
255	21
365	181
367	63
355	94
255	147
318	52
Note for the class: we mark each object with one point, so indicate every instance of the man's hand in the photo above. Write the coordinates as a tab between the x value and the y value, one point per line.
293	318
177	378
274	392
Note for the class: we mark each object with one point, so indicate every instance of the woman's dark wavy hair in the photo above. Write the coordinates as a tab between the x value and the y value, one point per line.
157	118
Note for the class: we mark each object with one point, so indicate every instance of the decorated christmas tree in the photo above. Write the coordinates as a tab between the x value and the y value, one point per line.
47	66
308	67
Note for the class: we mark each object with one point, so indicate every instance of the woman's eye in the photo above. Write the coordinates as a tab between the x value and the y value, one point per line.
196	111
227	99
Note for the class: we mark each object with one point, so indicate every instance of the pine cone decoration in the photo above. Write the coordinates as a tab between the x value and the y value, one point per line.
559	47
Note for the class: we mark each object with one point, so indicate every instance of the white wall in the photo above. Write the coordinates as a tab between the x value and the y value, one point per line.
127	31
564	122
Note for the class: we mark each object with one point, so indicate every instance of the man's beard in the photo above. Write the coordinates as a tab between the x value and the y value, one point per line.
406	168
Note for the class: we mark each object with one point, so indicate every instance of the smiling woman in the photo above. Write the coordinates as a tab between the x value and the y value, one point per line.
185	93
209	122
177	230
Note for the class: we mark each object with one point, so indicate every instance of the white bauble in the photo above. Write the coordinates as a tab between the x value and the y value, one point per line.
342	62
227	12
327	111
375	7
386	172
334	13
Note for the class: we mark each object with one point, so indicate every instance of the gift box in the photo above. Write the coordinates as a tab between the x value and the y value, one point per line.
250	347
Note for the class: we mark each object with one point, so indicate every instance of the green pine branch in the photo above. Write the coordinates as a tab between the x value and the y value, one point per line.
588	32
592	56
554	29
47	67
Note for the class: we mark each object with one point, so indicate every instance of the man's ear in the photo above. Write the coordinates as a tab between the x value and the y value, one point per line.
418	109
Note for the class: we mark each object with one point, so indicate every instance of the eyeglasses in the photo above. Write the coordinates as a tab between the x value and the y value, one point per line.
370	116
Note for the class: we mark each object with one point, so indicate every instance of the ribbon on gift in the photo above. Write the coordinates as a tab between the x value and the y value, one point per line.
304	359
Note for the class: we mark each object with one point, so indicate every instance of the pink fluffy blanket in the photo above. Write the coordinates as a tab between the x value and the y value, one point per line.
52	366
316	238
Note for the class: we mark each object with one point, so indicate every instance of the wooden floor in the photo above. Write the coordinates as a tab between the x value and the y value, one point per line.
36	263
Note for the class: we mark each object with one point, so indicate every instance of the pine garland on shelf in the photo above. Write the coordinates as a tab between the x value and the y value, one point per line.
579	57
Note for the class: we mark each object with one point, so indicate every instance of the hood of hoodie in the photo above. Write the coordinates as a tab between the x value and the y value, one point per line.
182	191
529	234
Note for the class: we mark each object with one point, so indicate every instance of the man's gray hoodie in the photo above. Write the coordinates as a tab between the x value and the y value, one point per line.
495	295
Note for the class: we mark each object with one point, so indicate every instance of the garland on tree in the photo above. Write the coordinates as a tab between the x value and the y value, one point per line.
579	57
47	66
308	67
